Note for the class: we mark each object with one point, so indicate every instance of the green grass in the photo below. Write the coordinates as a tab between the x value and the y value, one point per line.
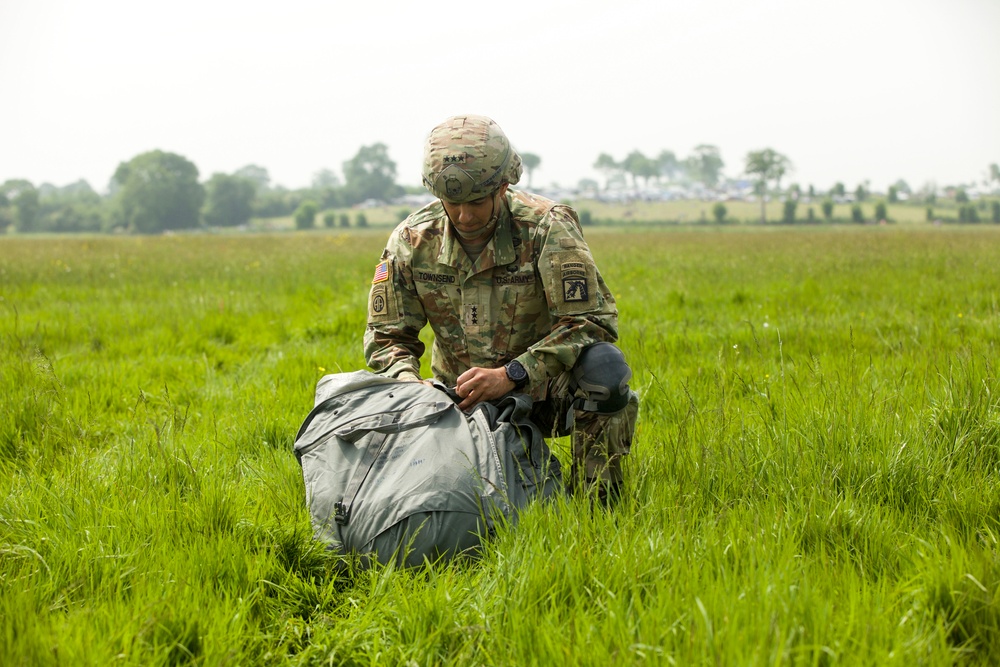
814	480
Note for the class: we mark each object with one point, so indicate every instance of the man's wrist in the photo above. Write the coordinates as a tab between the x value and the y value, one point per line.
516	374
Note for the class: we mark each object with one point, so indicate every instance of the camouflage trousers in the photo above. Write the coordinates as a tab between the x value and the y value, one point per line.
599	441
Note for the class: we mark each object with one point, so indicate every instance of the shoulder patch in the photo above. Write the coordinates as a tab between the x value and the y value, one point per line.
382	304
575	282
381	273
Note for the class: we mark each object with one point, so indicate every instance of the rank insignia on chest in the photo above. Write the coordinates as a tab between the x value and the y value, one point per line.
381	272
471	315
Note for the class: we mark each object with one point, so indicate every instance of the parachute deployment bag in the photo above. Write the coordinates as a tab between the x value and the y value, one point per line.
395	470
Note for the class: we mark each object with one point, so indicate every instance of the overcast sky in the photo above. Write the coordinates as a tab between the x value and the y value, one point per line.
849	90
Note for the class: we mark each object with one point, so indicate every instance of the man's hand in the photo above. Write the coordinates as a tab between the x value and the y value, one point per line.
482	384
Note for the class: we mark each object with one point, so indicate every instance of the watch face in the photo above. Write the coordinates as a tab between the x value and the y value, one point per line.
516	372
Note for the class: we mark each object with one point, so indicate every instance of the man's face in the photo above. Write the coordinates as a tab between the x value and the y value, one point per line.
470	219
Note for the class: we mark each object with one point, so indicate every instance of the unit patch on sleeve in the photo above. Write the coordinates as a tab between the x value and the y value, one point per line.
382	304
574	281
575	288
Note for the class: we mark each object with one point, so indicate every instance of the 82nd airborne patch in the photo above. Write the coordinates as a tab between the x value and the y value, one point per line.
382	305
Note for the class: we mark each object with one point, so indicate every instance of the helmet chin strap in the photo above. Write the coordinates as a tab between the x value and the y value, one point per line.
488	227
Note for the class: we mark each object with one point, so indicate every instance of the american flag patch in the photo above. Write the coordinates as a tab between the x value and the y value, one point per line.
381	272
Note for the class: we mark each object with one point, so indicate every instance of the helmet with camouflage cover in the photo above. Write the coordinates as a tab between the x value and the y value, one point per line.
467	158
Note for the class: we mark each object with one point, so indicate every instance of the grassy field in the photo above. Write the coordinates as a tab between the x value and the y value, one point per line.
814	480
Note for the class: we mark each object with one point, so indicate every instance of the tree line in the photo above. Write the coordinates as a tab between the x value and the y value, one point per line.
766	168
160	191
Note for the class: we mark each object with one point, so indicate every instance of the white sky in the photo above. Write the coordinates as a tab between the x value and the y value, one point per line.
849	90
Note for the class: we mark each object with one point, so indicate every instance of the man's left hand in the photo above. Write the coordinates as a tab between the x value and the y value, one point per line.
482	384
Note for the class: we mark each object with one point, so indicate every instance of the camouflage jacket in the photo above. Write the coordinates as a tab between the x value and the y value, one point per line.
534	294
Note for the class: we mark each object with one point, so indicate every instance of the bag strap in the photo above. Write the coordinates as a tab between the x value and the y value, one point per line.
427	413
342	509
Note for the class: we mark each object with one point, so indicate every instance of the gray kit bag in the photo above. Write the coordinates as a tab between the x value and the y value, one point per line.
396	471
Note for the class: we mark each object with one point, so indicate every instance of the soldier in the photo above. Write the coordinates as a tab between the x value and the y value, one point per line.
515	301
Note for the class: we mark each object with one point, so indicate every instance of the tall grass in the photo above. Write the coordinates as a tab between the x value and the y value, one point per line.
814	480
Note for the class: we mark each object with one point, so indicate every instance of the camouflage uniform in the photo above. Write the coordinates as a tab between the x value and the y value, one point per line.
534	295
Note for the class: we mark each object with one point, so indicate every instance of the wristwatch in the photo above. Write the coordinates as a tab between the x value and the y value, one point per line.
517	374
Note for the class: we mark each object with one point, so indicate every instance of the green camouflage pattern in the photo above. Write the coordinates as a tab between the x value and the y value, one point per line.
468	157
534	294
599	441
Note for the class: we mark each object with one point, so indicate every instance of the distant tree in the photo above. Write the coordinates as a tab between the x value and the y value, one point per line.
812	191
893	194
586	218
22	204
719	212
305	215
902	187
257	175
961	196
344	220
276	202
668	165
325	178
79	189
530	161
639	166
329	219
705	165
881	211
930	213
810	215
995	210
764	166
827	207
72	208
6	214
588	185
228	201
607	166
788	211
157	191
370	174
860	193
794	191
838	190
928	193
995	172
325	189
361	220
856	214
